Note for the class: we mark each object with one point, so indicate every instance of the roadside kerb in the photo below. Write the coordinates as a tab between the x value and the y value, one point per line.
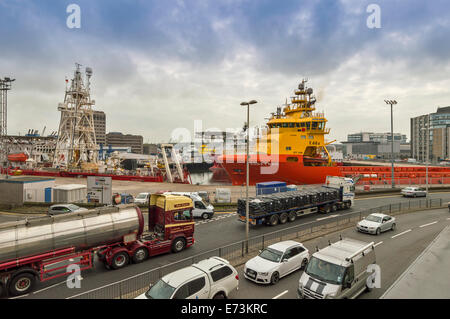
236	253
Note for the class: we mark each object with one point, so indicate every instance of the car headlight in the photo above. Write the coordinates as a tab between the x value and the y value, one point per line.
371	228
264	273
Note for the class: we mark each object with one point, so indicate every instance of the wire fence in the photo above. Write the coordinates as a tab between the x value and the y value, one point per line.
237	253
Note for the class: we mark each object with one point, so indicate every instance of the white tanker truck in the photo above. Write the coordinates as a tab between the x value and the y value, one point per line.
41	248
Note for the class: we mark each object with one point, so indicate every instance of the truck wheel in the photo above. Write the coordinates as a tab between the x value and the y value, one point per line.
292	216
120	260
334	208
140	255
273	220
178	245
283	218
326	209
22	284
347	205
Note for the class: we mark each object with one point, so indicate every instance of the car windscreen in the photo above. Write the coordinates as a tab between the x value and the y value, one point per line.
271	255
161	290
325	271
73	207
372	218
141	196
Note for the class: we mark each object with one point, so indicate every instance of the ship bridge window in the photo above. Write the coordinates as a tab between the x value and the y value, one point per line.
314	125
308	125
285	124
297	124
321	125
302	124
291	124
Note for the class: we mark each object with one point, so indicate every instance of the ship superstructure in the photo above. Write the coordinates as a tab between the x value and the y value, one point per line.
293	143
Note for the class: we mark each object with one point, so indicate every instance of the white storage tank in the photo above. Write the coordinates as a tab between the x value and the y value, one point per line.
70	193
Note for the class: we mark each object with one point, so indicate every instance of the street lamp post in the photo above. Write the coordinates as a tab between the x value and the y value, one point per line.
247	173
391	103
427	128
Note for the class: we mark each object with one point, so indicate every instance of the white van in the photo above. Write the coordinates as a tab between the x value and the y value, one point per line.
339	270
142	198
201	209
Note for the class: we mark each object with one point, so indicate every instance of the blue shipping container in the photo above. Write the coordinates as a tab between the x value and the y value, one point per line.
270	188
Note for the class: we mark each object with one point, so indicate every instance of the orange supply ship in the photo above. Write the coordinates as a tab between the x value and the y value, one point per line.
292	150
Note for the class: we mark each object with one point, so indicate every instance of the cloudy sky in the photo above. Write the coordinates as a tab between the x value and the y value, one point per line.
159	65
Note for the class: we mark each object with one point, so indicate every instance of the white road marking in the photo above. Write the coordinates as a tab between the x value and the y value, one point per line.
18	297
41	290
331	216
377	244
282	294
406	231
428	224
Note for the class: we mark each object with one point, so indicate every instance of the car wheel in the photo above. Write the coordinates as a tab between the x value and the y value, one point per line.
393	226
205	216
378	231
304	262
219	295
275	278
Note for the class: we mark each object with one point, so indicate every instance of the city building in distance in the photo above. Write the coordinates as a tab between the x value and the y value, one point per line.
376	145
117	139
438	133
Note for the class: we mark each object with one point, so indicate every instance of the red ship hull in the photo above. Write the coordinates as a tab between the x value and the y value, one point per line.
285	169
297	173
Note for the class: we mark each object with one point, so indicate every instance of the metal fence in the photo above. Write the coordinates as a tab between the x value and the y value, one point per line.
237	253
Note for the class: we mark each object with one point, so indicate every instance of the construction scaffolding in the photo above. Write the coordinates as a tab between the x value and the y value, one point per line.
76	146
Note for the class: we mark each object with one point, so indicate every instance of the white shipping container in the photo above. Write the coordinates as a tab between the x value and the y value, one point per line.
71	193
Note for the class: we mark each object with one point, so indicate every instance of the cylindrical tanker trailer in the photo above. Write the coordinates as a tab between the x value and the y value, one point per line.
41	248
82	231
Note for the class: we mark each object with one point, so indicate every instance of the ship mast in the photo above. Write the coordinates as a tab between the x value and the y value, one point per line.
76	142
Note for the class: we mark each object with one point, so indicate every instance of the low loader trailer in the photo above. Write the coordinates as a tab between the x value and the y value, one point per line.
280	208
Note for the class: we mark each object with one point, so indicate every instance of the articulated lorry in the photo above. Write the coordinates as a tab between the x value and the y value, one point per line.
336	194
42	248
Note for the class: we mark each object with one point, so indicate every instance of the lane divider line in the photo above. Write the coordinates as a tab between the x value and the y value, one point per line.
331	216
282	294
406	231
428	224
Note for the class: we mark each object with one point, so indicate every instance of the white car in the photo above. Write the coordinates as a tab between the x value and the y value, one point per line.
142	198
413	192
276	261
212	278
376	224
